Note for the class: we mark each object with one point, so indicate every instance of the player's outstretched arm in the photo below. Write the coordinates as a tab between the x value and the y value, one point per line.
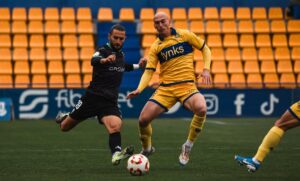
133	94
206	77
142	63
143	83
110	59
98	59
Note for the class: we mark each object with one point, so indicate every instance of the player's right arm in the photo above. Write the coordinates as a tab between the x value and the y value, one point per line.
142	85
100	58
148	73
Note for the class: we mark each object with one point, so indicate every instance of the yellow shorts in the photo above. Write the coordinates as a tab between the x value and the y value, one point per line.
167	96
295	110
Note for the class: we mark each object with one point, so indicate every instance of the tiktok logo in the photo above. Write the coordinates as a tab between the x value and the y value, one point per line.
267	107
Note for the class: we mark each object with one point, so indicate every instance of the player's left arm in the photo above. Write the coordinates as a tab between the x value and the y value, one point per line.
200	44
206	78
140	65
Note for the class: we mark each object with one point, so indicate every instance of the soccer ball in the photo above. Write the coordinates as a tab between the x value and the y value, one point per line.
138	165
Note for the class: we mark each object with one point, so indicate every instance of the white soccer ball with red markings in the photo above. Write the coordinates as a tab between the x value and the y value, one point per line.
138	165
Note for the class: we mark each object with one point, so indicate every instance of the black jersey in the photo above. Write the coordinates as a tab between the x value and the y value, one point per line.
107	77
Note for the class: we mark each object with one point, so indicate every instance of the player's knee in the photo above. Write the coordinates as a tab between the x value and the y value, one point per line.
143	123
144	120
280	124
67	124
115	127
200	110
64	127
199	107
277	123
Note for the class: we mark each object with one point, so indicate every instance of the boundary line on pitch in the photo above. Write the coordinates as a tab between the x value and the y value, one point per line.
97	150
217	122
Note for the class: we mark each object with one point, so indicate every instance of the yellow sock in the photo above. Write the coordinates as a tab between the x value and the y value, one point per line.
145	136
269	142
196	127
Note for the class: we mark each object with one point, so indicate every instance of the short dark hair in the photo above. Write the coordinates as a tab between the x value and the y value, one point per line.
117	27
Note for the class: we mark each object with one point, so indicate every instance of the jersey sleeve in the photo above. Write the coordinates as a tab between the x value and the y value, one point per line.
97	56
128	67
152	58
194	40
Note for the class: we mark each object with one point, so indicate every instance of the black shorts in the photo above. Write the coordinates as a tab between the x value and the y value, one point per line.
91	105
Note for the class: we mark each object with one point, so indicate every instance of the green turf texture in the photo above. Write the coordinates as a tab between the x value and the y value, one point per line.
38	150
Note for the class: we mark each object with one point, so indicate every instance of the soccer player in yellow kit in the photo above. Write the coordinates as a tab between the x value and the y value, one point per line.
173	49
290	119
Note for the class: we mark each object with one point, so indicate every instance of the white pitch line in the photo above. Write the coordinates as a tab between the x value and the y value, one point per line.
52	150
3	151
217	122
66	150
241	123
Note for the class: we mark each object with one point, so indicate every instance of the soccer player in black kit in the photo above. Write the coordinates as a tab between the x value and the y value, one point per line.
101	95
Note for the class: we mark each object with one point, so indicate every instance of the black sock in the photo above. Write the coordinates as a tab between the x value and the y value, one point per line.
115	142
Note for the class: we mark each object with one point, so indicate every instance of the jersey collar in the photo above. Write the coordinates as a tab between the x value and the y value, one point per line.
173	32
112	48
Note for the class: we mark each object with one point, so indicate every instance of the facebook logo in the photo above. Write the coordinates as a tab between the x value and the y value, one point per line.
239	102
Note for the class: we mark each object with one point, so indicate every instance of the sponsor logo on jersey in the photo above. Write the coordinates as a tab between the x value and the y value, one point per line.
117	69
174	51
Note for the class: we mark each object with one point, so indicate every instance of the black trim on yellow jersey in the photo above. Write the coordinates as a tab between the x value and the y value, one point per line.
173	32
291	111
189	97
174	83
162	106
150	69
202	46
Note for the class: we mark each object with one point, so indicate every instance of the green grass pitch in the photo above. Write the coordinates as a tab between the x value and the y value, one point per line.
37	150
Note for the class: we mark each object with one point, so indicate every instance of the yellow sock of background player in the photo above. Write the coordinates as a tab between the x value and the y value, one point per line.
270	141
145	136
196	127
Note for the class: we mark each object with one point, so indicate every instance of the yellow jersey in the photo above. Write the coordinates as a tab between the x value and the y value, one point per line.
175	54
295	110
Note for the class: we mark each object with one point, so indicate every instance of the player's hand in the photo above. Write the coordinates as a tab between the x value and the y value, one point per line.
133	94
206	78
110	59
197	75
142	63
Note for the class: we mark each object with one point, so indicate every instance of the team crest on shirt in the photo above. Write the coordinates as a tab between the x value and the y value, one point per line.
96	54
